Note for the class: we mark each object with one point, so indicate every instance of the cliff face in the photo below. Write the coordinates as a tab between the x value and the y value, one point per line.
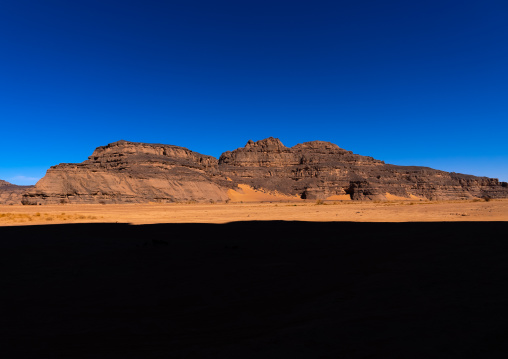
320	170
128	172
11	193
124	172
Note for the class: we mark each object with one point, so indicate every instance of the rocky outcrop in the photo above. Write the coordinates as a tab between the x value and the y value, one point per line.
11	193
129	172
124	172
320	170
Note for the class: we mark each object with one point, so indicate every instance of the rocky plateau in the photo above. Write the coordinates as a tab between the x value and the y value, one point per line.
130	172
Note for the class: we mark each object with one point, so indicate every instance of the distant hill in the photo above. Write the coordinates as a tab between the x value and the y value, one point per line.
131	172
11	193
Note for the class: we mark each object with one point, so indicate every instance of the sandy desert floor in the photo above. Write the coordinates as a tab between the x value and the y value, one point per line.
328	211
255	279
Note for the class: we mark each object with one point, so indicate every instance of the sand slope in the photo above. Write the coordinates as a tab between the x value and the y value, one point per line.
249	194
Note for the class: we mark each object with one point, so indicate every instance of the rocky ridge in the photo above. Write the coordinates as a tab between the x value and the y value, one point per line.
11	193
130	172
321	170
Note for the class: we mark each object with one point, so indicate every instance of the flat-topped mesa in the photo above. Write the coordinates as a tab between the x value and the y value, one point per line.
122	151
124	172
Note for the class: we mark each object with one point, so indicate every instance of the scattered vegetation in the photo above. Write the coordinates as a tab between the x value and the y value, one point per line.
42	217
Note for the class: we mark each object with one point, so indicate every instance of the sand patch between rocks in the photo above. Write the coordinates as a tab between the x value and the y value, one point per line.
249	194
339	197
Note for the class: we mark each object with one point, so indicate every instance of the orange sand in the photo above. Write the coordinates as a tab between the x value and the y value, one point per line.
249	194
396	211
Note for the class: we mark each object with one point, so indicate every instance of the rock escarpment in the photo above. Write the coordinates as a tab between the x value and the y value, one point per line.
129	172
11	193
124	172
320	170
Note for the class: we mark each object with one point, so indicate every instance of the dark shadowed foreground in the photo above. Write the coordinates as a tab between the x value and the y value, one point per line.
255	290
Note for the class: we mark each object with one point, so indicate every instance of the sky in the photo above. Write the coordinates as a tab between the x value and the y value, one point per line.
407	82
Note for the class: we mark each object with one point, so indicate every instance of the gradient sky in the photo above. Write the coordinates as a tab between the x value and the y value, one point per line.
407	82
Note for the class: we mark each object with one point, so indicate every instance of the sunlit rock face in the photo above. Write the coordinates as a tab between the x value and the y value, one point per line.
130	172
320	170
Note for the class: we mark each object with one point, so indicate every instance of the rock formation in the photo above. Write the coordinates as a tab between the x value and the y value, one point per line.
129	172
321	170
11	193
124	172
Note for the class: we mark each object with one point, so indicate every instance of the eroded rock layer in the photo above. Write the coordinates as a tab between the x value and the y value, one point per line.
321	170
124	172
128	172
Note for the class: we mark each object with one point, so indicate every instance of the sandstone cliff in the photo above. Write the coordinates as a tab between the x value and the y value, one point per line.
128	172
124	172
320	170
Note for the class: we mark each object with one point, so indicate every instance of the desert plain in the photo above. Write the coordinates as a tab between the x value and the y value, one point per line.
279	210
303	279
262	276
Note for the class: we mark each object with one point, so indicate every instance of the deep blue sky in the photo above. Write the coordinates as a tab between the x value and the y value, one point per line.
407	82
